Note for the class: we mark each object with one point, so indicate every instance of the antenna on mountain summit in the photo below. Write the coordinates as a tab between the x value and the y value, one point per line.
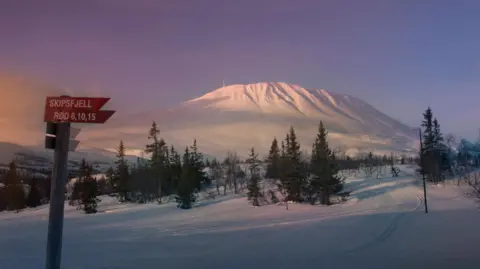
223	83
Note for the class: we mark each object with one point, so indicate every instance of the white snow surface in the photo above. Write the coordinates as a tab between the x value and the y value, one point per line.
382	226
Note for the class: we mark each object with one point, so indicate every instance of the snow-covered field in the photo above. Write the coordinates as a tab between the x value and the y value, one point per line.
382	226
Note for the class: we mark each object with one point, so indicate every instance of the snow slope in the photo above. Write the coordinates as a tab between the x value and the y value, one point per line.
383	227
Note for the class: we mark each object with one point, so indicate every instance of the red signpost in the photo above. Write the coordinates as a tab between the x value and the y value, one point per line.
76	110
59	113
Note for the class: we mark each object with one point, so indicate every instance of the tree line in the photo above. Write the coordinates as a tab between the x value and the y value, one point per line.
438	160
294	175
165	173
298	177
19	190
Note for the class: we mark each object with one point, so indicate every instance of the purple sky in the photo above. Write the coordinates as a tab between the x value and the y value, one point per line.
400	56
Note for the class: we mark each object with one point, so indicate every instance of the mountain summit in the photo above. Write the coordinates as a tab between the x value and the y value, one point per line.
341	112
271	98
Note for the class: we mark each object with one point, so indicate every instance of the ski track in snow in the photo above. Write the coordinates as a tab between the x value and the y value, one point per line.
382	226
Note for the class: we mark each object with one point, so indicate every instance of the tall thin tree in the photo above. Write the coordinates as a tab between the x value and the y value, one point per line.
253	183
273	161
324	169
157	148
122	175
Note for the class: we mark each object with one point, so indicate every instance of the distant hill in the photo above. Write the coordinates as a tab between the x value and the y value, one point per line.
39	160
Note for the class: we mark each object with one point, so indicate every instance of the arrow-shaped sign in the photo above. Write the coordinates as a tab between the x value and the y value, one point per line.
72	145
67	103
74	132
76	109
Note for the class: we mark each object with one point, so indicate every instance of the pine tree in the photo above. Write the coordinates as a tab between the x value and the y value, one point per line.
14	191
3	202
89	198
34	197
428	155
292	179
253	184
196	161
77	188
217	174
325	180
273	161
435	156
110	178
283	180
207	163
175	168
441	151
88	189
140	182
158	161
186	189
121	182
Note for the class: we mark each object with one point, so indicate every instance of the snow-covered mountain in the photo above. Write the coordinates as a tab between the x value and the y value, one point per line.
234	117
238	117
341	112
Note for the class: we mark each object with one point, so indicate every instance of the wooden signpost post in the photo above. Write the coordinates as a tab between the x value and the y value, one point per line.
60	112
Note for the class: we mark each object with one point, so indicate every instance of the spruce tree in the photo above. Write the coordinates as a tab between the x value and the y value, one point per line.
74	199
428	146
253	184
34	197
186	189
283	171
292	176
3	202
122	181
441	152
295	174
77	189
158	161
325	180
175	168
273	161
140	183
196	161
13	190
85	189
89	190
110	178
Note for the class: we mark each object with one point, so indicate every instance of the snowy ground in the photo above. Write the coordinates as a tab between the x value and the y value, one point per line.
382	226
